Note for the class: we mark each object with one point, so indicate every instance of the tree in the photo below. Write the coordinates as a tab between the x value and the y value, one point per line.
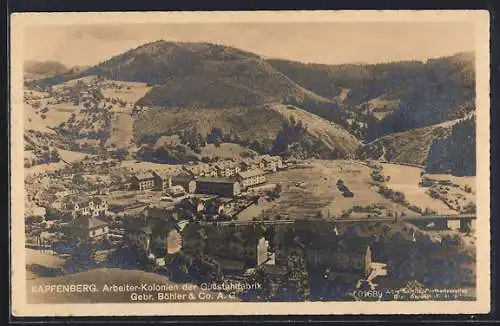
55	157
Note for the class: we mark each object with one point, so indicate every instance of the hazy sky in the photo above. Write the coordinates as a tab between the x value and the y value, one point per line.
329	43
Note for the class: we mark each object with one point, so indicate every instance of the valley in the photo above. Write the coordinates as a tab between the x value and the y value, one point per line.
181	158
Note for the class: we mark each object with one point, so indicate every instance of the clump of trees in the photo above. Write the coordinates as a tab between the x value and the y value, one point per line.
396	196
193	140
346	192
44	157
377	174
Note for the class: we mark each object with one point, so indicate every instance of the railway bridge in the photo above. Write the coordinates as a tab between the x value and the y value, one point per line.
424	221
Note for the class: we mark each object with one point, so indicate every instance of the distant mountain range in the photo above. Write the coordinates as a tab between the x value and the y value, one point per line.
44	68
369	101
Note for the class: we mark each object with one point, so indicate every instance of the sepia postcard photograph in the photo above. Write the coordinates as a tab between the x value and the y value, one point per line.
250	163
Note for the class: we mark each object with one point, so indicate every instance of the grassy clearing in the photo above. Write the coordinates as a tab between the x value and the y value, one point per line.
36	260
225	151
34	121
137	166
71	156
130	92
309	190
122	126
406	180
461	181
41	168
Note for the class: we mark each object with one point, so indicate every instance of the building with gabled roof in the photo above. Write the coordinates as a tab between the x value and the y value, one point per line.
143	181
186	181
218	186
84	227
251	178
162	181
245	244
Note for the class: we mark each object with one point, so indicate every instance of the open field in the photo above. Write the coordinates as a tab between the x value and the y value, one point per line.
33	121
406	180
36	260
331	134
72	156
41	168
130	92
309	190
225	151
461	181
122	125
137	166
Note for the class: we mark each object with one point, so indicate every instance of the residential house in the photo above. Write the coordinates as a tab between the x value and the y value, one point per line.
99	206
227	168
84	227
247	164
140	236
143	181
245	245
251	178
194	239
176	191
159	237
192	204
272	163
78	205
166	238
162	181
167	212
82	205
185	181
218	186
198	170
352	257
216	206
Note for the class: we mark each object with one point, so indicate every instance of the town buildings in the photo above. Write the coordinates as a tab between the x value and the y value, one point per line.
89	228
162	181
271	163
240	247
218	186
321	249
185	181
143	181
227	168
251	178
82	205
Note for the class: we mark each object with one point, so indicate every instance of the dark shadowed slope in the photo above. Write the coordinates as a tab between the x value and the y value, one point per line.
415	94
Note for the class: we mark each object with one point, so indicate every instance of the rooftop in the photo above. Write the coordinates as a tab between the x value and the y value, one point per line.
89	223
144	176
216	180
250	173
162	175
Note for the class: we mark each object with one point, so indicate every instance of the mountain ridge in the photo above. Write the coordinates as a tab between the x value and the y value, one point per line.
373	102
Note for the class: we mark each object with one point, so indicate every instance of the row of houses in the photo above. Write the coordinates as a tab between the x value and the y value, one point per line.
232	248
328	252
230	168
237	248
82	205
222	186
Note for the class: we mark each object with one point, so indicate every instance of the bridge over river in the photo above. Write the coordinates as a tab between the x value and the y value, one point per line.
438	221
